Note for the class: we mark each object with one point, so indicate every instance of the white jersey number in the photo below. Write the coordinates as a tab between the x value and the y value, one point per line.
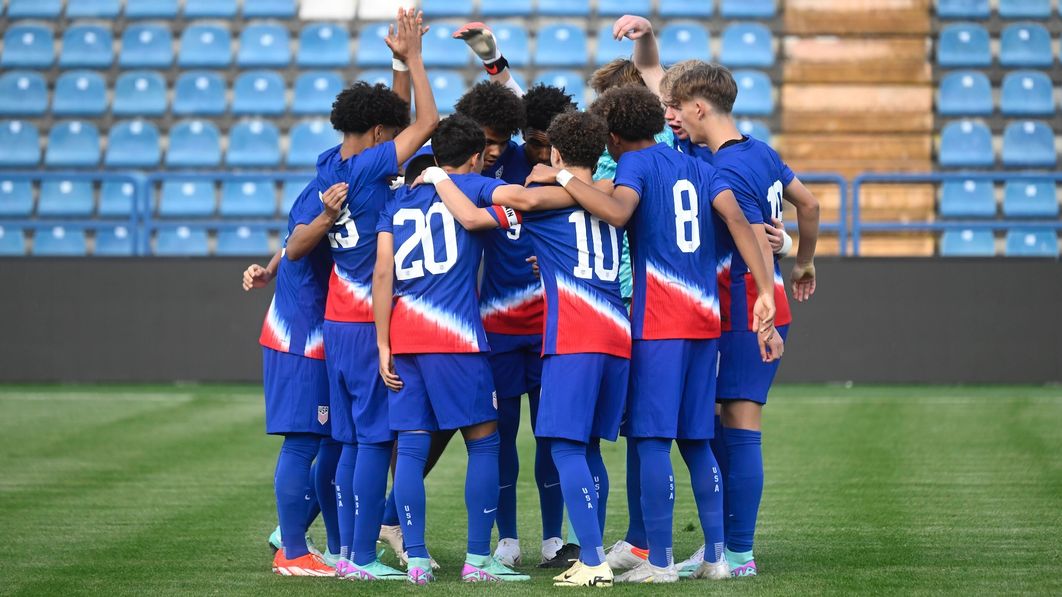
582	243
422	235
687	238
514	232
774	197
338	240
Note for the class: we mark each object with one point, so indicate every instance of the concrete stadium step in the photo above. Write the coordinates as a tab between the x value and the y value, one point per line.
858	17
843	60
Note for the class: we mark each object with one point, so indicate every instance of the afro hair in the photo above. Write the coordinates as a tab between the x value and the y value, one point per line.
457	138
542	103
493	106
579	137
633	113
362	106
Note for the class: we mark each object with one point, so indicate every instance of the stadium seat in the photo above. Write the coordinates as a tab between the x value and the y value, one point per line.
79	93
242	241
259	92
962	45
965	93
449	8
378	76
133	144
967	243
685	8
323	44
199	93
34	9
146	46
264	45
372	51
16	198
514	42
441	49
28	46
1025	9
289	193
1030	199
181	241
59	241
73	144
247	199
206	9
23	93
1029	143
561	45
1031	242
754	128
618	8
88	9
571	81
254	144
87	46
742	9
309	140
966	144
269	9
564	8
140	93
963	9
116	199
66	199
113	241
186	199
608	48
205	46
968	199
195	143
12	241
20	144
315	92
1025	44
747	44
151	9
1027	93
684	41
755	97
509	8
448	86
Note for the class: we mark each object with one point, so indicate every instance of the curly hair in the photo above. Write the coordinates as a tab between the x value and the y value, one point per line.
457	138
362	106
579	137
493	106
616	73
542	103
633	113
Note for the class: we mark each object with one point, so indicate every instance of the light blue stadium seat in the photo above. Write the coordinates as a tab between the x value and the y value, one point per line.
194	144
1030	198
448	86
66	199
1025	44
199	92
617	8
87	46
133	144
23	93
509	8
372	51
1025	9
965	93
73	144
968	199
116	199
323	44
139	93
16	198
248	199
1031	242
571	81
685	8
963	44
59	241
967	243
309	140
441	49
182	241
963	9
315	91
289	193
568	8
561	45
113	241
747	44
1030	144
20	144
448	8
187	199
146	46
684	41
514	42
242	241
756	129
264	45
755	97
259	92
34	9
151	9
377	76
206	9
12	241
966	144
747	9
28	46
269	9
79	93
608	48
254	144
205	46
1027	93
88	9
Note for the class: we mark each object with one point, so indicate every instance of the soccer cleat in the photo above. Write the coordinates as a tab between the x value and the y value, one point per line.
570	571
687	567
330	558
567	555
624	556
480	39
741	564
714	571
489	569
392	535
646	572
550	547
275	543
587	576
508	552
418	571
307	565
403	559
377	570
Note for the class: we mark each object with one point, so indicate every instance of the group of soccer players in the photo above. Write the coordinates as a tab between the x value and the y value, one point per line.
619	267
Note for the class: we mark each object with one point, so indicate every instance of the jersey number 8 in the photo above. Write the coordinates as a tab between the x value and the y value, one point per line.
683	216
582	269
422	235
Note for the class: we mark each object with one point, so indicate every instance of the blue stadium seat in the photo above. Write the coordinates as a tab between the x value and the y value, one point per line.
1031	242
1029	143
199	93
747	44
608	48
28	46
66	199
195	143
965	93
133	144
206	9
963	44
247	199
755	97
20	144
372	51
289	193
315	92
1027	93
441	49
79	93
449	8
23	93
151	9
685	8
509	8
87	46
1025	44
59	241
323	44
87	9
264	45
181	241
967	243
568	8
968	199
561	45
571	81
187	199
513	40
139	93
16	198
617	8
254	144
755	128
259	92
205	46
966	144
116	199
146	46
73	144
1025	9
376	76
684	41
309	140
741	9
963	9
1030	198
34	9
113	241
448	86
266	9
242	241
12	241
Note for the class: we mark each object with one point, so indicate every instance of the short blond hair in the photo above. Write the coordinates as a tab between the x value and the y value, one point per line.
672	73
617	73
711	82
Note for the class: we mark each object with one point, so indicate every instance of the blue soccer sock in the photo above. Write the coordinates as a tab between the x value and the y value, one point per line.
635	522
409	489
722	459
313	506
550	500
707	484
292	485
390	517
324	475
348	456
508	466
577	485
600	475
743	486
658	496
370	489
481	492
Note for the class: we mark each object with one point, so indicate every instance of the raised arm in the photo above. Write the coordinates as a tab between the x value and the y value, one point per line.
646	53
807	207
406	46
470	217
726	205
306	236
382	295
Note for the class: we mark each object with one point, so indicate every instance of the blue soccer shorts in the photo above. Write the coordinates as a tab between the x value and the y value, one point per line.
296	393
357	393
516	363
582	396
672	389
442	391
742	373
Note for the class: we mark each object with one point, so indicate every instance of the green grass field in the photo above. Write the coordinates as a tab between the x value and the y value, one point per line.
166	490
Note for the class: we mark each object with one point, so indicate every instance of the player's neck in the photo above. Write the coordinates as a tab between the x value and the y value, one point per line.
353	144
721	130
582	174
464	169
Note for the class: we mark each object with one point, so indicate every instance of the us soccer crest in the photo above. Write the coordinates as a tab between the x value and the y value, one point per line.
322	414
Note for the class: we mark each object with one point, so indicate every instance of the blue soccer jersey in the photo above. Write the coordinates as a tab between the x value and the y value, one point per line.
688	147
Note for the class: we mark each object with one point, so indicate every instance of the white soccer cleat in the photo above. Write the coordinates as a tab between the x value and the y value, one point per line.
648	573
570	571
508	552
392	535
480	39
581	575
687	567
624	556
718	571
550	547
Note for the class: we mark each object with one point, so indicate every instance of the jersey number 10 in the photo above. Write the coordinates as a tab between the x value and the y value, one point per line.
582	243
423	236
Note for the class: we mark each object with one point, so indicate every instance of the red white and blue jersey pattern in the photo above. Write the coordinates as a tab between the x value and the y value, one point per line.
672	242
435	307
295	317
757	175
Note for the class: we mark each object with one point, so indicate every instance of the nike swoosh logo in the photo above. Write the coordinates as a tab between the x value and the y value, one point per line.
506	486
485	511
548	485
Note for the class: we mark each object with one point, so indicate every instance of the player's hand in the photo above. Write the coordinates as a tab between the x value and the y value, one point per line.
404	37
775	234
419	180
771	345
763	316
533	260
387	370
631	27
605	185
256	276
333	199
542	174
803	279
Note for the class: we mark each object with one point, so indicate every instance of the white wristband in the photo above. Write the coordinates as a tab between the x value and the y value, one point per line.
787	244
563	177
398	65
435	174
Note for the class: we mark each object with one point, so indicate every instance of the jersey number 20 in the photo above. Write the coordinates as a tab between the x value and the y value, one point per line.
582	269
422	235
